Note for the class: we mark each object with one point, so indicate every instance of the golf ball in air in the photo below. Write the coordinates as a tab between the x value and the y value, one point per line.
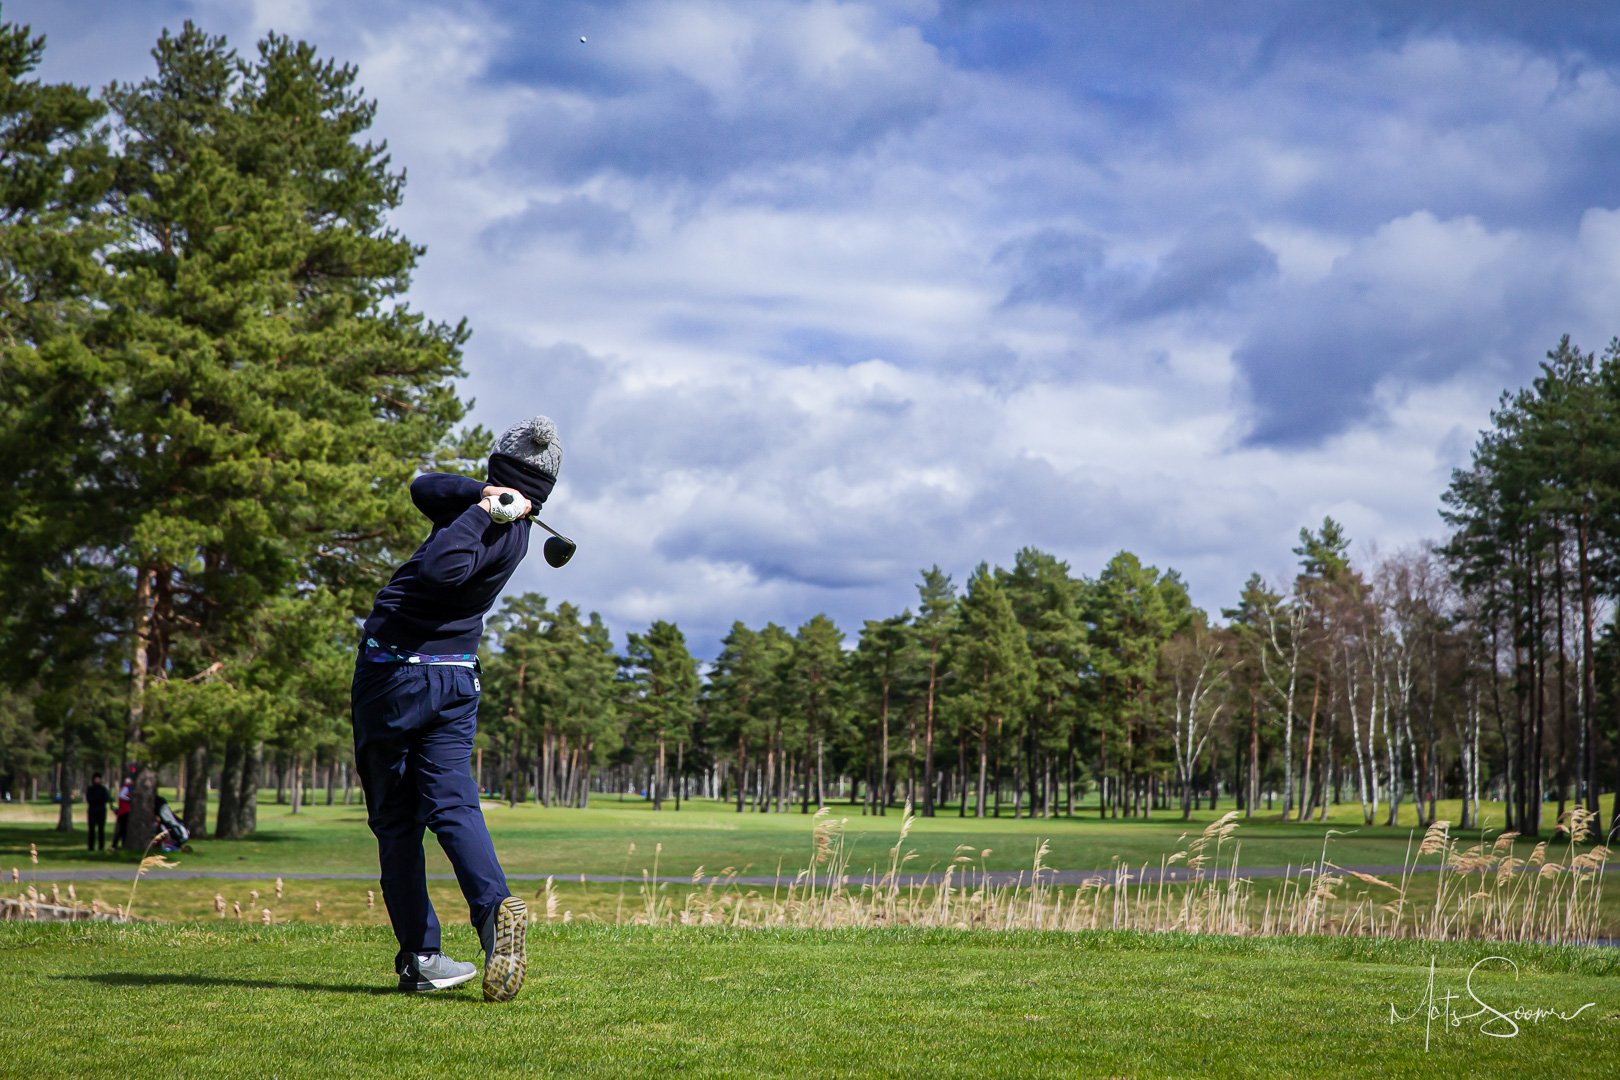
582	41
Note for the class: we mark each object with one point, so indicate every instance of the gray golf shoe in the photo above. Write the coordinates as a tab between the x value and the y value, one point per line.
506	958
432	971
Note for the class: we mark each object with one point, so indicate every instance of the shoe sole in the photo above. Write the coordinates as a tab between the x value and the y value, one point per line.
509	960
424	986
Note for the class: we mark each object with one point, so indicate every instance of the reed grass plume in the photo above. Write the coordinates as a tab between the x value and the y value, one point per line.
1482	891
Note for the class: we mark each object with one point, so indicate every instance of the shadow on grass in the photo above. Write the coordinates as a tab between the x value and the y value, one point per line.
170	978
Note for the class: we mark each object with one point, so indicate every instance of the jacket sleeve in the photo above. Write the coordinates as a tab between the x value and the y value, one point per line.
442	496
454	553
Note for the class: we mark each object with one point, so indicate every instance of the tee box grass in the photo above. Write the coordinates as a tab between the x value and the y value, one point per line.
216	1001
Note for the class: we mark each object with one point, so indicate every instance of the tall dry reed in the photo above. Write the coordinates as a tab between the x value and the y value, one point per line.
1484	891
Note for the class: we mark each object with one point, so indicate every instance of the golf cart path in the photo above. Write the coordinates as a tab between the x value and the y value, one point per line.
967	879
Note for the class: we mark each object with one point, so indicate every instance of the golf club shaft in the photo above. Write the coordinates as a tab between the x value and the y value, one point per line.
548	528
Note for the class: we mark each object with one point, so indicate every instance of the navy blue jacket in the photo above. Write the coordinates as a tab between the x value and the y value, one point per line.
436	602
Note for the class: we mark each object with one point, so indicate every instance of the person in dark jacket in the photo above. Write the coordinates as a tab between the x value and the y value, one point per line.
415	708
96	798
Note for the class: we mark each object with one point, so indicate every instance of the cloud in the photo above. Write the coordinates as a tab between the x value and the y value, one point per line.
1207	264
695	92
585	223
822	293
1053	266
1420	300
1205	267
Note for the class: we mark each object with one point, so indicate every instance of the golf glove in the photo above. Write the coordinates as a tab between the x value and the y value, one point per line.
506	508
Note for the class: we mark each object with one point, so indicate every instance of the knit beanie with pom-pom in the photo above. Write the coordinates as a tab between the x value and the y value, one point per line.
534	442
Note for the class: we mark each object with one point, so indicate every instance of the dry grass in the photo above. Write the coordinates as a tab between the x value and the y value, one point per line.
1483	892
1486	891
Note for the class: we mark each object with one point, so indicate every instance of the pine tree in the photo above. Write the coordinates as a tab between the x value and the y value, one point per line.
665	678
742	680
1258	611
995	674
1045	597
57	608
936	619
816	679
271	395
881	667
1132	610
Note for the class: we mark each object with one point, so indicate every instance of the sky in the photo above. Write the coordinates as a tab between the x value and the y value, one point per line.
822	294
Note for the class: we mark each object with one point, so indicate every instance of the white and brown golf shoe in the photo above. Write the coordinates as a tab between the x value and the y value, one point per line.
504	936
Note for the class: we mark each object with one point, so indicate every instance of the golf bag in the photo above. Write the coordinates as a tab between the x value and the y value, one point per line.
177	832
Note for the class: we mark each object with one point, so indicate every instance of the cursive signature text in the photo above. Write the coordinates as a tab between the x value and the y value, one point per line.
1444	1009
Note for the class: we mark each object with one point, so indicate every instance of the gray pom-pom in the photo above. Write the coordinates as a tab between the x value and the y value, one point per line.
535	441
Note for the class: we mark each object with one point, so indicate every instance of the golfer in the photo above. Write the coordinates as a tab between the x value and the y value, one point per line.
415	700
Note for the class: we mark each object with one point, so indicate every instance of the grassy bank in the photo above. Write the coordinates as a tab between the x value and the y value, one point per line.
313	1001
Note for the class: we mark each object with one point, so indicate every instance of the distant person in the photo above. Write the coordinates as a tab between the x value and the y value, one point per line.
96	798
121	814
415	700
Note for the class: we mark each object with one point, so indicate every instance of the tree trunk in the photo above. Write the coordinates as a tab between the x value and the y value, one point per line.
928	745
143	793
195	817
658	778
883	753
1588	701
248	815
227	825
764	803
1562	780
984	761
1102	774
821	784
64	789
961	769
1310	741
911	757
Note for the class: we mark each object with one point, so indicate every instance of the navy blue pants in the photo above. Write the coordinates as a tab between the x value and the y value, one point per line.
413	741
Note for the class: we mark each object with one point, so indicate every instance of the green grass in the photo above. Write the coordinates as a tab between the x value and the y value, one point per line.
611	1001
534	839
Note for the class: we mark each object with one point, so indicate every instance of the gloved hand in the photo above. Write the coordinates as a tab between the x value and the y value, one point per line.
505	505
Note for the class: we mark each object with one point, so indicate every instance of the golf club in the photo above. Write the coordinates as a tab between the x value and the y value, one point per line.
559	549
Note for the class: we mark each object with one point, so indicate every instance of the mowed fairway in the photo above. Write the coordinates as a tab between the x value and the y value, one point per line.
311	994
614	1001
536	840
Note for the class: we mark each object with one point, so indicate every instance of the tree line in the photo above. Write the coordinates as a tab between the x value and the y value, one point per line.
214	395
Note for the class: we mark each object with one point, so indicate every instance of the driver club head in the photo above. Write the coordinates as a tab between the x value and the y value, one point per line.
558	550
